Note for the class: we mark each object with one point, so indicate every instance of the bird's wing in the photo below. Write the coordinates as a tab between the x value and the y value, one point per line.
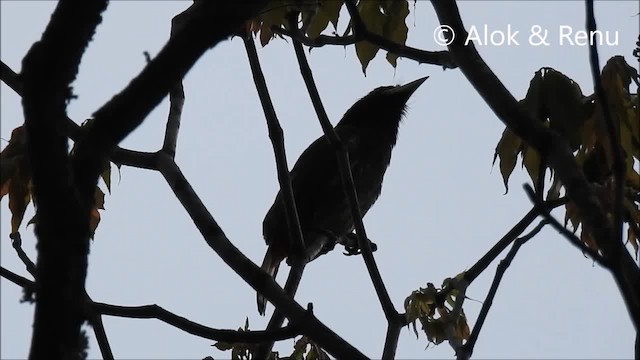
316	178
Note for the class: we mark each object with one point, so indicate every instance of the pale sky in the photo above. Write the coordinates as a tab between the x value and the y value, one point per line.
442	205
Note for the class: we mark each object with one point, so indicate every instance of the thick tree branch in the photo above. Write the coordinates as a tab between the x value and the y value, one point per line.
551	147
464	352
247	270
62	229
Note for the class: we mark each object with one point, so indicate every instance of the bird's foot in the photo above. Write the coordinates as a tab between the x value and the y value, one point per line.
351	247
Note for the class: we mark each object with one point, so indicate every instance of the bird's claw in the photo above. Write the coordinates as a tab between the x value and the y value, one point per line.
351	247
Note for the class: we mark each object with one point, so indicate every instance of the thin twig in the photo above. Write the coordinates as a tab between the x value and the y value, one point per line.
477	268
450	328
297	245
176	99
466	350
16	242
277	141
573	239
17	279
231	336
347	182
95	319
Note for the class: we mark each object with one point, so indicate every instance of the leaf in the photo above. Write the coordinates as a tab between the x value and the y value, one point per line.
632	238
531	162
554	189
106	176
507	150
327	12
19	199
374	20
13	159
395	28
571	214
563	103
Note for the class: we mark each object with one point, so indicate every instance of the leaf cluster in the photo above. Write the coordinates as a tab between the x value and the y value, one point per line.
559	103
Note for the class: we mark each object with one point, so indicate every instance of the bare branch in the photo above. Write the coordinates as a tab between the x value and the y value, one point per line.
477	268
16	242
573	239
176	99
17	279
297	245
277	141
231	336
464	352
10	78
95	319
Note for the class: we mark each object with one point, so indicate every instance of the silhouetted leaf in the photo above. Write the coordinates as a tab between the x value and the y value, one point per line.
507	150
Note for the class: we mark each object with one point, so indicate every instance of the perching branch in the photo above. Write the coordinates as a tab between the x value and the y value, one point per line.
277	141
297	245
466	350
247	270
347	182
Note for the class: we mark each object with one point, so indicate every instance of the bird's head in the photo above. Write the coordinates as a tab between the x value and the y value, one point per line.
382	106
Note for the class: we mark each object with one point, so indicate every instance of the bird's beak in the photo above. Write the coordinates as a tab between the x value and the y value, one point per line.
408	89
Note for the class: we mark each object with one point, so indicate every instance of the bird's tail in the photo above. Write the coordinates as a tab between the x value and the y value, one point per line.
270	264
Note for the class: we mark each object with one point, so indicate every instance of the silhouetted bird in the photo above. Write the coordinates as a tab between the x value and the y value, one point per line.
368	130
